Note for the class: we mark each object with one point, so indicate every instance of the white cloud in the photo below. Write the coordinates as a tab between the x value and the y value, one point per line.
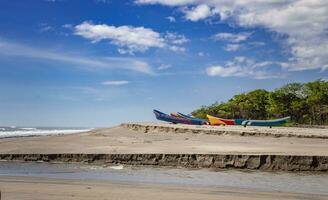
164	67
171	18
88	62
130	39
243	67
197	13
230	37
123	51
303	23
177	48
115	83
233	47
218	70
175	38
257	44
201	54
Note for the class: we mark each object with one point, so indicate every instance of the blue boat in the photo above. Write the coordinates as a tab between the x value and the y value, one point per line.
270	123
168	118
195	120
239	121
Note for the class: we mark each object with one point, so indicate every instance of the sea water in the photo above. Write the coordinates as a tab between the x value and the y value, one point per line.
13	131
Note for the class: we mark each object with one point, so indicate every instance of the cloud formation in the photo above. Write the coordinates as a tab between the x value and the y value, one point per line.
132	38
175	38
302	23
129	39
243	67
197	13
233	47
88	62
164	67
115	83
231	37
171	18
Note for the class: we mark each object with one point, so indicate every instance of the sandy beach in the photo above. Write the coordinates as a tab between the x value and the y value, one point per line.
179	146
123	140
283	149
164	99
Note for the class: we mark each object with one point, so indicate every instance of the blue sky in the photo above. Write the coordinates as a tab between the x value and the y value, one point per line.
99	63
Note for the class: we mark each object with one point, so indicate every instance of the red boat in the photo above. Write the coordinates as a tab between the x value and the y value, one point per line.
228	121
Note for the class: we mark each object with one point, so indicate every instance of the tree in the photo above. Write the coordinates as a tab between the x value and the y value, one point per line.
305	103
288	101
317	99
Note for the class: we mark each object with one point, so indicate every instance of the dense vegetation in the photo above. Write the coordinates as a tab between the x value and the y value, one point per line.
306	104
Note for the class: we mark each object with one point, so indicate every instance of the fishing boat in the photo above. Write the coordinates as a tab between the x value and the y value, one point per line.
215	121
175	115
230	121
270	123
196	120
227	121
239	121
169	118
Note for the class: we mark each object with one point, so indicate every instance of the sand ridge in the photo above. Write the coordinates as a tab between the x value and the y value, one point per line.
126	145
122	140
297	132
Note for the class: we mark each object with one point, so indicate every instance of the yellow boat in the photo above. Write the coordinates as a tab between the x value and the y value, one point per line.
215	121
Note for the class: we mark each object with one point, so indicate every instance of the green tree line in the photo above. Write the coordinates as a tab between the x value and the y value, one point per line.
305	103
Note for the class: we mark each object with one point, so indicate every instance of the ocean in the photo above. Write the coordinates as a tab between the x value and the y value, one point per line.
13	131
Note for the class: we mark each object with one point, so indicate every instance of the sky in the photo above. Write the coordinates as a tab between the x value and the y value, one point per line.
98	63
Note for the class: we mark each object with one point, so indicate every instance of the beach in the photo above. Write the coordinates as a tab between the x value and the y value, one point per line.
176	139
117	163
163	99
263	148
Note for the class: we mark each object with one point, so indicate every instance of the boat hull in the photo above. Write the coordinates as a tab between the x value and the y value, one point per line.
172	119
227	121
194	119
270	123
214	121
239	121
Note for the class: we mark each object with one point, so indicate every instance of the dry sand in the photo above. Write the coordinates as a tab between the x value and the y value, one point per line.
231	130
118	140
30	188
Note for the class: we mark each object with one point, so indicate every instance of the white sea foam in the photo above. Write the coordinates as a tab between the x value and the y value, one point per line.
24	132
28	129
118	167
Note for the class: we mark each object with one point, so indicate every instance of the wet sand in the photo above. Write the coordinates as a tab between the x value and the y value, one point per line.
33	188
